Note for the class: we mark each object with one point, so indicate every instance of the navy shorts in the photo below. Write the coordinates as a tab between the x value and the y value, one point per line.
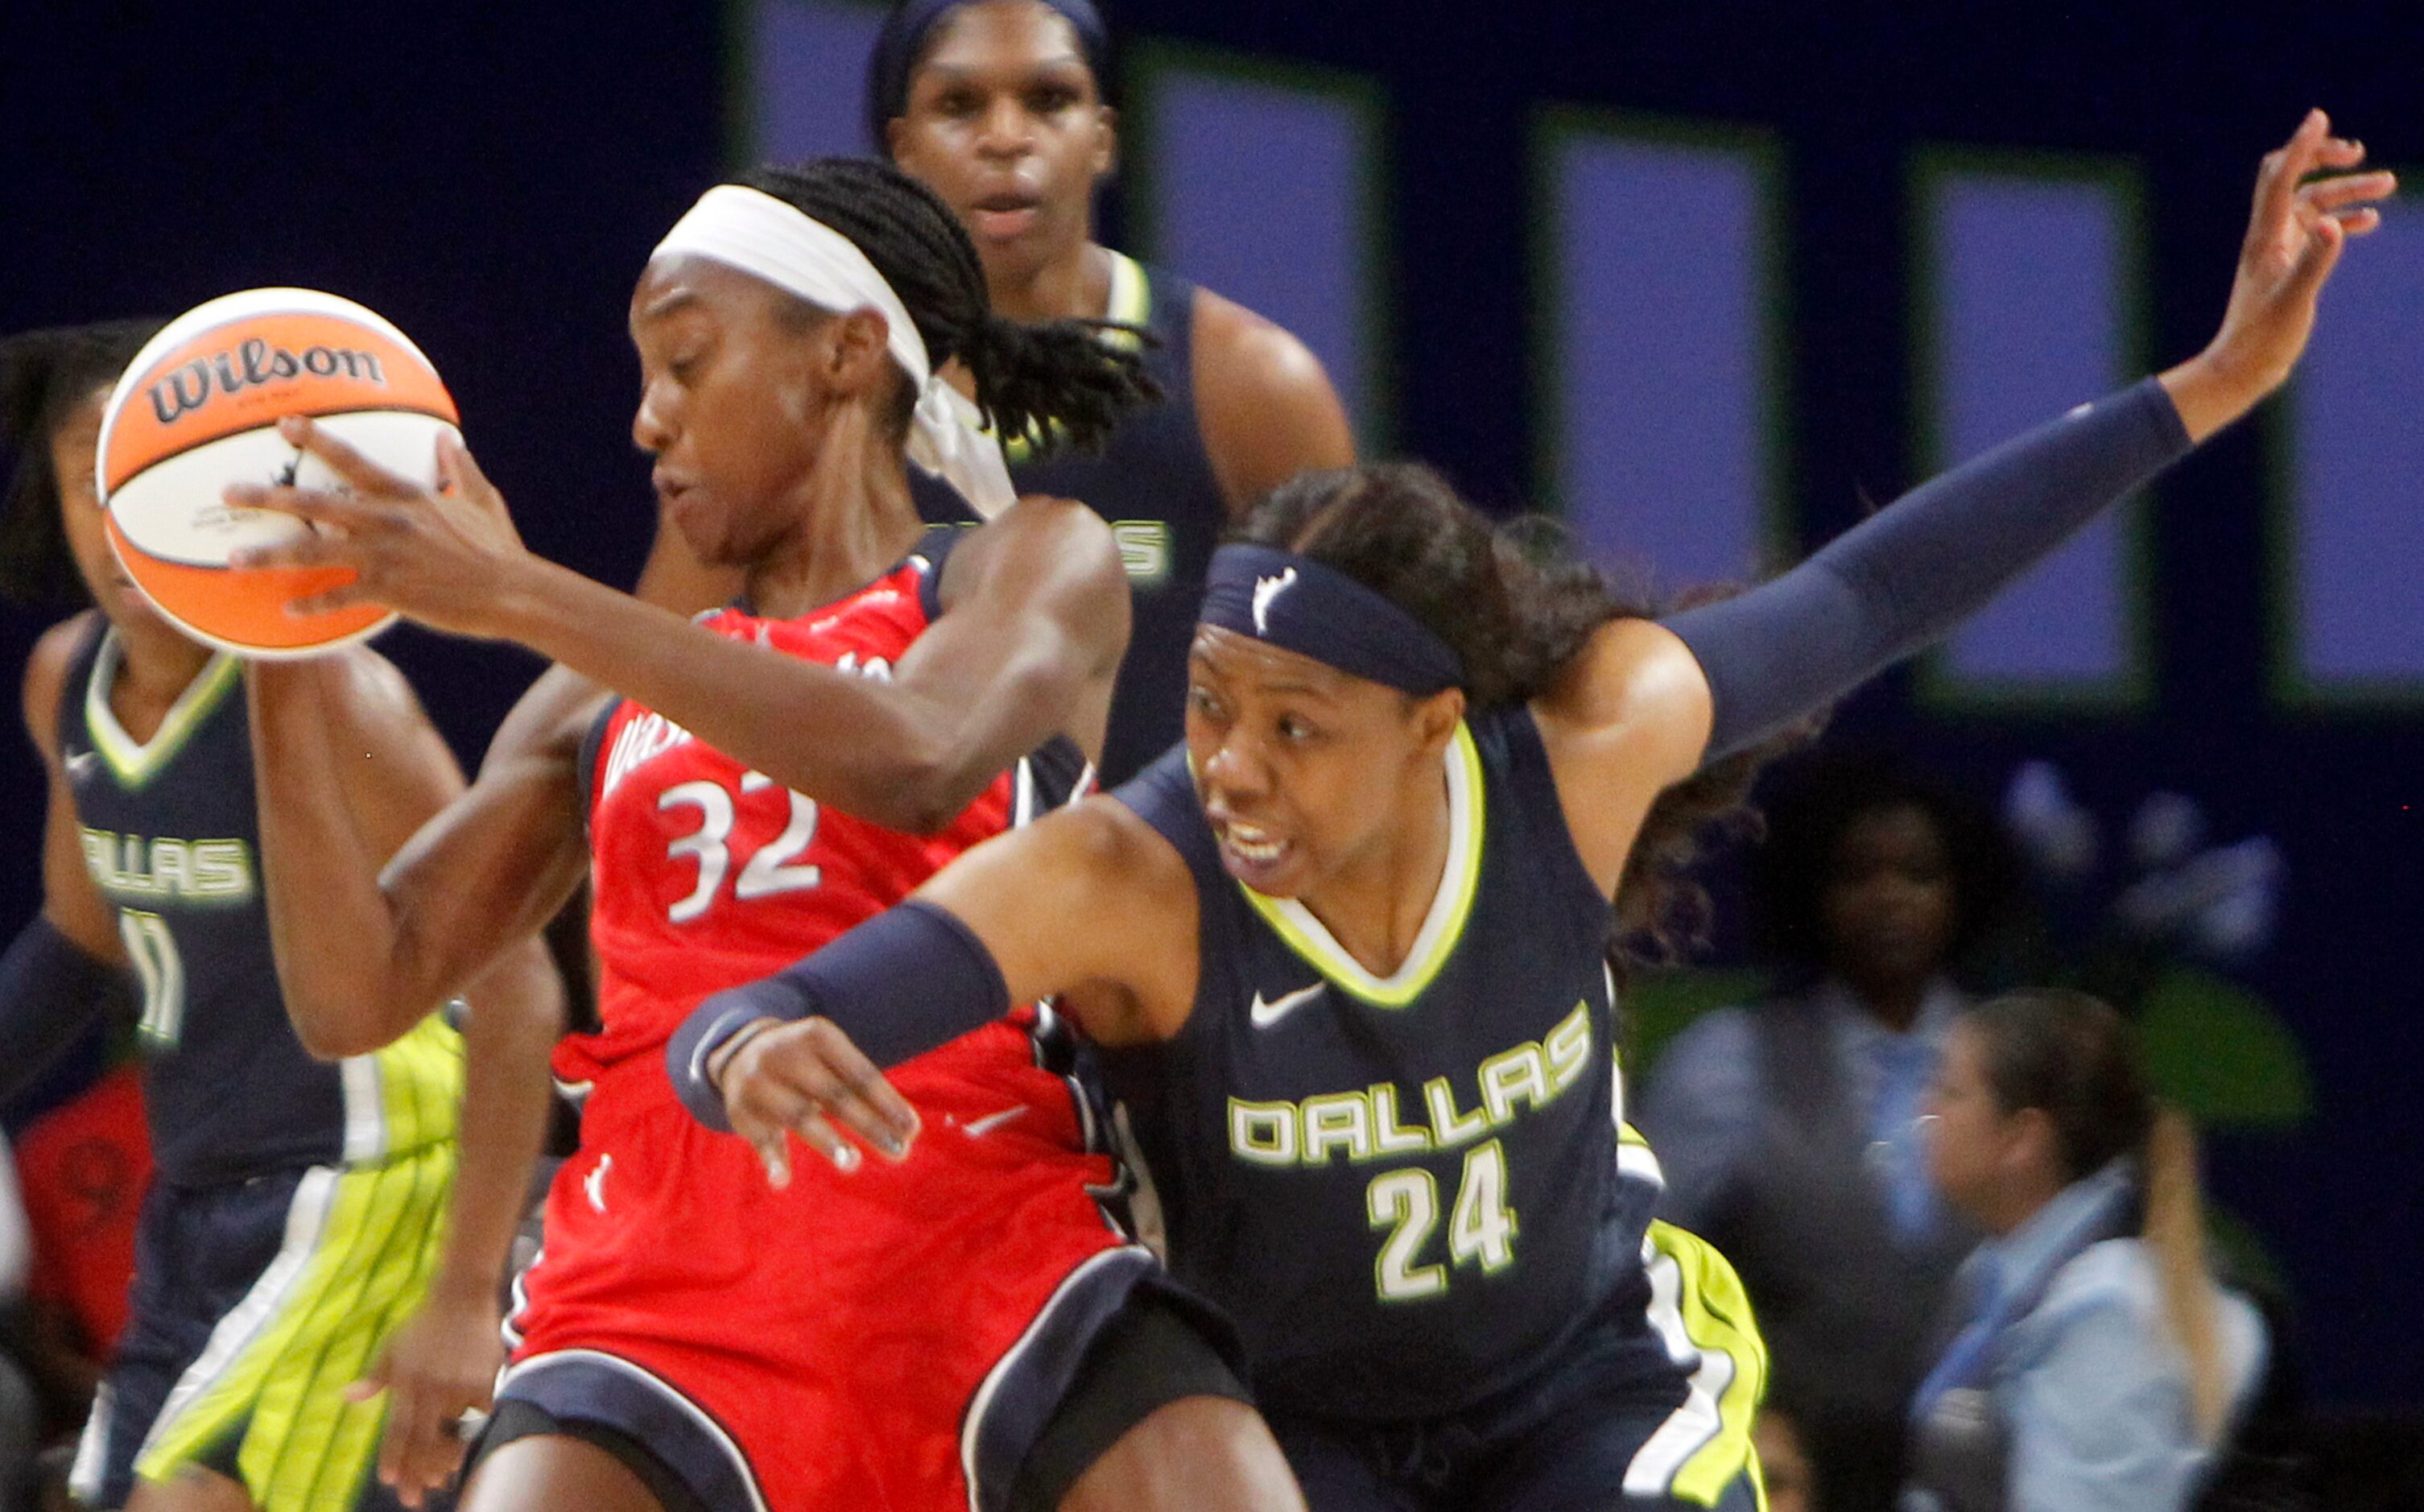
1584	1434
255	1303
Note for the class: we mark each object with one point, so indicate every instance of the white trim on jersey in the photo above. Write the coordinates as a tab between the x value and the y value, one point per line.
306	1217
92	1449
365	1107
1694	1425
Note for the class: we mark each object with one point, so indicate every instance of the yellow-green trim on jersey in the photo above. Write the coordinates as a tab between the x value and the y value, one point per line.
405	1096
361	1243
136	762
1443	927
1714	1313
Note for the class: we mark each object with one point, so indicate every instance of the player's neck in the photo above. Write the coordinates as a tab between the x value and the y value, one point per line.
1077	286
1375	905
855	522
155	666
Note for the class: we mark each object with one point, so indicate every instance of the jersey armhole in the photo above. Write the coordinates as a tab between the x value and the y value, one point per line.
1535	786
593	741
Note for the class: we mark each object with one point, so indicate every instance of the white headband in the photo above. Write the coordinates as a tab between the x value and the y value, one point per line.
760	235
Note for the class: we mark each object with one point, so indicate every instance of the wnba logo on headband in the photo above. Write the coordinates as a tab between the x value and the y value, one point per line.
1300	605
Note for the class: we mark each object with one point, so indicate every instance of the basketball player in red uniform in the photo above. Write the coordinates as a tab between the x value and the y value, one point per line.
967	1325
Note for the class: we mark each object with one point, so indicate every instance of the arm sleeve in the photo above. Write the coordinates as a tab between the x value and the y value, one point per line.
49	991
1904	576
899	985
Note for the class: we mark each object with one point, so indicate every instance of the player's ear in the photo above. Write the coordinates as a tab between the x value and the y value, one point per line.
1436	717
1107	141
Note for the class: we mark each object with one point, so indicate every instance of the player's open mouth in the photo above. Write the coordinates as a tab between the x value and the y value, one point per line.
1002	217
1251	853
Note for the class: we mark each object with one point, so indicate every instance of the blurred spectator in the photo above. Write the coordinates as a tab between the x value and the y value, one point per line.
1783	1464
2097	1365
83	1166
1789	1131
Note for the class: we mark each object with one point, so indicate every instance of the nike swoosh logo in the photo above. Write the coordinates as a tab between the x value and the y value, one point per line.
80	762
978	1128
1266	1014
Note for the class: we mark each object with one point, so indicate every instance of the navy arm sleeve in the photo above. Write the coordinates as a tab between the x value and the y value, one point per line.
50	991
899	985
1907	575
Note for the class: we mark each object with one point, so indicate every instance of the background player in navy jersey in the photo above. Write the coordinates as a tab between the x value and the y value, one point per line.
997	105
969	1327
1344	950
298	1236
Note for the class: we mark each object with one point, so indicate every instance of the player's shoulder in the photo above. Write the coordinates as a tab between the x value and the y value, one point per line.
54	656
1250	354
1041	546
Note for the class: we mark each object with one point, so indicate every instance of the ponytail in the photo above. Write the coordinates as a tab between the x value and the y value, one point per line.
2175	1236
2071	1056
1060	380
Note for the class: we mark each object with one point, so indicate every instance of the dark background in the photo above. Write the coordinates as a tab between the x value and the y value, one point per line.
492	178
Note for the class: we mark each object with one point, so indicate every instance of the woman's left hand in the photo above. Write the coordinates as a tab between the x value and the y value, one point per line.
445	556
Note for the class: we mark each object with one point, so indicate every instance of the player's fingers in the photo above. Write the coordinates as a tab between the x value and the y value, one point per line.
325	506
2348	188
406	1404
351	596
764	1135
364	474
2315	262
2278	179
864	1098
457	467
826	1140
2362	222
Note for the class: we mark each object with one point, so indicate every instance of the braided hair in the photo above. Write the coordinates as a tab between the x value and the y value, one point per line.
44	374
1058	380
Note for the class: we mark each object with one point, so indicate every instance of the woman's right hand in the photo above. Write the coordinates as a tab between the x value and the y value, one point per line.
788	1077
2294	238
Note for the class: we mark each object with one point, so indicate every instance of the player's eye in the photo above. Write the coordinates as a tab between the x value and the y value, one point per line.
1051	99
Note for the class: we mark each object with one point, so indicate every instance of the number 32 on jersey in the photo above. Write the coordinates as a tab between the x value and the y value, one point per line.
773	868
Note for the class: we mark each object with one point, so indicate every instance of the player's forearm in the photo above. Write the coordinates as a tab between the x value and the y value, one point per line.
1907	576
50	991
515	1016
331	929
867	747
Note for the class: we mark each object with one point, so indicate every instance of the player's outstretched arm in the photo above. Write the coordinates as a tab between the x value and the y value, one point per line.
1089	906
1038	622
379	776
364	953
67	964
1741	669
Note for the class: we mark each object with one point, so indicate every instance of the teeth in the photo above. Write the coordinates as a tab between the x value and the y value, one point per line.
1252	844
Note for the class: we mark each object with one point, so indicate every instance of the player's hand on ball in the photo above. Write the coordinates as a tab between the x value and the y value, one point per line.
444	556
2295	235
795	1079
439	1365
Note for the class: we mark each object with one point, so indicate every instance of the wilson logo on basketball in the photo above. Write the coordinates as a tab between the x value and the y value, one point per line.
249	365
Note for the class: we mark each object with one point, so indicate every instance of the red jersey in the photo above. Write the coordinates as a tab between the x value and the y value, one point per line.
862	1340
82	1170
710	875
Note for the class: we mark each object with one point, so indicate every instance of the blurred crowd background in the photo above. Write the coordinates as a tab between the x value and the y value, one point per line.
1707	281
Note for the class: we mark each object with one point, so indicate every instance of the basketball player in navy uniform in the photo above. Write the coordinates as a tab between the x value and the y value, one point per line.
298	1249
1343	950
997	106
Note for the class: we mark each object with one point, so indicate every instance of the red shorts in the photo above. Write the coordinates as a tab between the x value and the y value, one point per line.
893	1338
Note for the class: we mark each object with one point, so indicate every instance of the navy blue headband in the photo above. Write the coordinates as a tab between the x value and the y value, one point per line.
904	37
1299	605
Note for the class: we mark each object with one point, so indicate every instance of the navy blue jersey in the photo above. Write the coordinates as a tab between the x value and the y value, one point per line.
1154	483
171	838
1408	1192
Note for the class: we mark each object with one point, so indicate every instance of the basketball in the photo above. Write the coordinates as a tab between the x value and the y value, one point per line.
198	410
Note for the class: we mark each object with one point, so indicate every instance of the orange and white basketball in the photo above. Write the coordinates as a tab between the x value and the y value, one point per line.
198	410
